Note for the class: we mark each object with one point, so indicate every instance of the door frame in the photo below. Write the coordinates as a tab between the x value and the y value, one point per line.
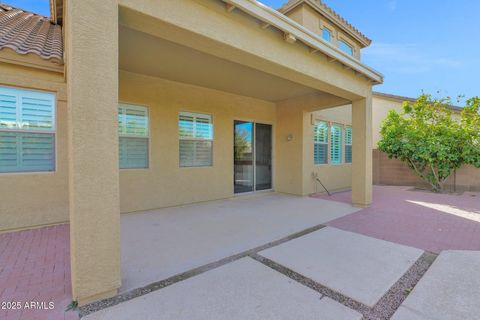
273	141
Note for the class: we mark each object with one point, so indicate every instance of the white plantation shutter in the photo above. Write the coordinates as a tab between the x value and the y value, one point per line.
37	112
348	144
133	153
196	139
8	108
320	147
27	130
336	144
133	134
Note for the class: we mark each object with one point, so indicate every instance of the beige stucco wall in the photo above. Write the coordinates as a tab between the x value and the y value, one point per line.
90	187
234	37
335	177
312	20
380	109
165	183
92	88
289	149
295	165
33	199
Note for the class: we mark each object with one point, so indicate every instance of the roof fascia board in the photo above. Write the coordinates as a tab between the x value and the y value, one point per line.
30	60
311	39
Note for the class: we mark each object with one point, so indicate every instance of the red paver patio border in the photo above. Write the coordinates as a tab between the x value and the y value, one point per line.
35	266
395	218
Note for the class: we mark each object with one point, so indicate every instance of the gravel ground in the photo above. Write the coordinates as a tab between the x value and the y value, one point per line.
391	301
385	307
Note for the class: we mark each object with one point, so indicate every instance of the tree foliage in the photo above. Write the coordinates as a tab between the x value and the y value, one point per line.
432	139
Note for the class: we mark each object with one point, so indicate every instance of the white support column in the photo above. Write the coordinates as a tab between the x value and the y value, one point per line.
362	152
92	84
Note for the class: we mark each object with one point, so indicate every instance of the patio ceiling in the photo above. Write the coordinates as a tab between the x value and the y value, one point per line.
146	54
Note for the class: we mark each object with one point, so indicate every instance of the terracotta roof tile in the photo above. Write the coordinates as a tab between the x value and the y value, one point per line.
26	32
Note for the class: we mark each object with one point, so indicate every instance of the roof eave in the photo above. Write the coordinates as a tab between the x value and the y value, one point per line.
278	20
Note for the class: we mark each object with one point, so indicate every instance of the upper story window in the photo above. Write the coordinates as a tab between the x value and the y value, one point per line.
320	146
196	139
327	35
345	47
133	136
27	130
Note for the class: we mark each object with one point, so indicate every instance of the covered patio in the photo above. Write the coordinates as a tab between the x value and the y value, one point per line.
246	65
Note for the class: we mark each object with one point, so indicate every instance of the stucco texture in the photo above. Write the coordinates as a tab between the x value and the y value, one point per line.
165	183
33	199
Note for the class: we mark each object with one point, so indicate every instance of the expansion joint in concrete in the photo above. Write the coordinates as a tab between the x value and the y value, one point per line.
384	308
102	304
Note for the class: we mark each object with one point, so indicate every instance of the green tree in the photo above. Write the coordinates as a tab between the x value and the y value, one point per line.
431	139
241	145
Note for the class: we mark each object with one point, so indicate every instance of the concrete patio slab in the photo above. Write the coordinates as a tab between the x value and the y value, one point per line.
357	266
162	243
450	290
244	289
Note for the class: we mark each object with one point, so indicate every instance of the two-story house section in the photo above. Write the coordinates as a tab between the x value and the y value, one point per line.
319	18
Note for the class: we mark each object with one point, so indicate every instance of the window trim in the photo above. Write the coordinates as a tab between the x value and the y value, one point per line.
53	131
149	155
348	44
324	28
212	140
329	145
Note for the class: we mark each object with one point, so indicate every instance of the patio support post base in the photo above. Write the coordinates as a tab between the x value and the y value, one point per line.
97	297
362	152
92	84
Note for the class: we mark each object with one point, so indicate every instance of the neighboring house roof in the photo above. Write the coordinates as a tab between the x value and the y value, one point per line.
26	32
409	99
334	17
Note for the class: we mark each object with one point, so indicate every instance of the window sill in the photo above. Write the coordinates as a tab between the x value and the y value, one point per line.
23	173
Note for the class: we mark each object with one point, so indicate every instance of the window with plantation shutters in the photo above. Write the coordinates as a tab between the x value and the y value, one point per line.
196	139
348	145
336	144
27	130
320	143
133	135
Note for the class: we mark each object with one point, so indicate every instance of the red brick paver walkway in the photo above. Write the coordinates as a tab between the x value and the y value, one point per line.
421	219
35	266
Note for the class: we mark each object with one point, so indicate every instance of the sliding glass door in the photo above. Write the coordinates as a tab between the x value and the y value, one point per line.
252	156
